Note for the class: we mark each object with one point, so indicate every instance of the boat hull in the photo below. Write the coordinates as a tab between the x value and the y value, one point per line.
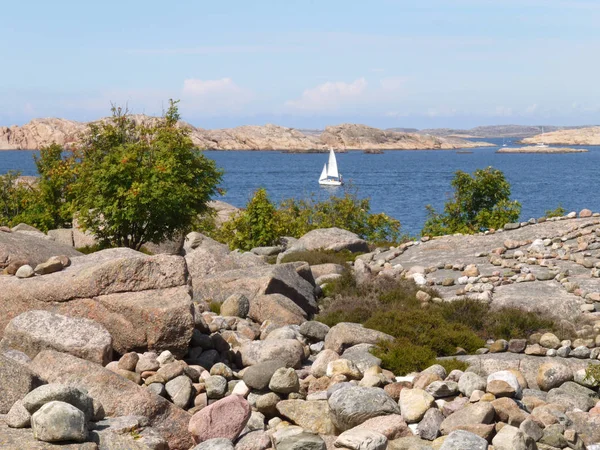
330	182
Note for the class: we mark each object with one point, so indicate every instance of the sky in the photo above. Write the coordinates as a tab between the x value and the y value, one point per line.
304	63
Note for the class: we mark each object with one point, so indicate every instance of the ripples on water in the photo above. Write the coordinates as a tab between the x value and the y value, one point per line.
399	183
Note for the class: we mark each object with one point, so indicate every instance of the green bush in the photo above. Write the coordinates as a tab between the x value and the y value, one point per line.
136	183
402	356
263	223
451	364
559	211
481	201
424	332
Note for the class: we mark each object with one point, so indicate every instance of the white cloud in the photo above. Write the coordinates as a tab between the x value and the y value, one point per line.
220	96
393	83
329	96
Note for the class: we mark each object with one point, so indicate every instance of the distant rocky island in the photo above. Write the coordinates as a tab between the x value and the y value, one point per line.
535	149
42	132
493	131
579	136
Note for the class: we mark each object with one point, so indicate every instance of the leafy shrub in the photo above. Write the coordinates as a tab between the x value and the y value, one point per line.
215	307
451	364
263	223
481	201
422	331
559	211
402	356
138	183
256	226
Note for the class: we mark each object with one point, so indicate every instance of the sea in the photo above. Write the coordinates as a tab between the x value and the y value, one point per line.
399	183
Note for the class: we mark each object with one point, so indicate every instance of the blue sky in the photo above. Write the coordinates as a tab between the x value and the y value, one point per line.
385	63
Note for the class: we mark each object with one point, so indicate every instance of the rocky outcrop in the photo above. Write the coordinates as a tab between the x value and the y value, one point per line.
118	396
580	136
362	137
42	132
30	248
534	149
143	301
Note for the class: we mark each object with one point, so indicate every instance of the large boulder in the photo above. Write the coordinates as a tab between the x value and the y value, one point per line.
18	246
16	381
59	393
473	414
118	395
143	301
334	239
252	281
277	308
347	334
352	406
205	256
34	331
22	438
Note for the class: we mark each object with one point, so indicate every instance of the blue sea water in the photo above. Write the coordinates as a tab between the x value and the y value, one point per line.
399	183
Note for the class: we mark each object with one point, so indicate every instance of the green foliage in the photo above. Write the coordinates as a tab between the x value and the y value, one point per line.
559	211
592	374
263	223
451	364
14	198
140	183
402	356
215	307
256	226
424	332
481	201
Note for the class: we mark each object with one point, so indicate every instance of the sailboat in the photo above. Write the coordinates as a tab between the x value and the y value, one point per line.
541	144
330	175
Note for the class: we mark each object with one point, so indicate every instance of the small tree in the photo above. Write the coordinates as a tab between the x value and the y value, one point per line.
141	183
481	201
256	226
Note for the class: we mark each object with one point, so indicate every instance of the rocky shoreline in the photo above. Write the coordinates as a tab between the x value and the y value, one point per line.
542	150
581	136
122	350
43	132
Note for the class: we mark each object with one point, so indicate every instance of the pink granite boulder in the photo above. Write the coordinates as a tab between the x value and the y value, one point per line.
223	419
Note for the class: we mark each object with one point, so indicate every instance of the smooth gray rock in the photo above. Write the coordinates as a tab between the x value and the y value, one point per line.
361	439
470	382
59	421
511	438
429	426
259	375
334	239
62	393
215	444
284	381
475	413
463	440
313	330
351	406
254	440
347	334
25	271
294	438
290	351
441	389
216	386
18	416
236	305
360	354
34	331
180	390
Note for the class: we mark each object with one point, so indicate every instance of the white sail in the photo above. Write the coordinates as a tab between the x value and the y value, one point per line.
324	173
332	169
